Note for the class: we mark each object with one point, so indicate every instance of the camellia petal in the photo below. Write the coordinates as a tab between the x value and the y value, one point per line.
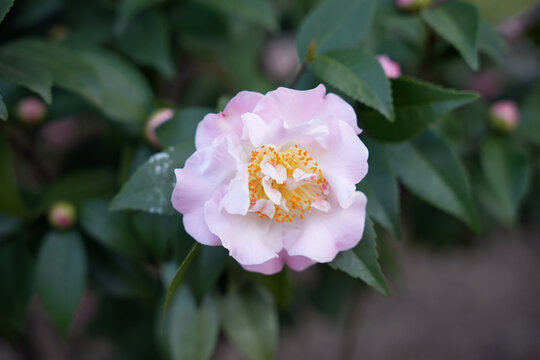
274	179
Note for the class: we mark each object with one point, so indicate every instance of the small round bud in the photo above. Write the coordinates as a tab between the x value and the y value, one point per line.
156	119
391	68
279	58
62	215
31	110
412	5
504	115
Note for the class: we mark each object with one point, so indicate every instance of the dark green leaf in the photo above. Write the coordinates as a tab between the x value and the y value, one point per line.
129	8
429	168
206	269
150	188
5	5
529	124
361	261
181	127
156	232
126	94
26	72
69	70
335	24
16	282
417	104
9	224
497	12
61	276
147	41
457	22
249	318
506	169
491	42
193	332
258	11
358	75
3	110
381	188
11	200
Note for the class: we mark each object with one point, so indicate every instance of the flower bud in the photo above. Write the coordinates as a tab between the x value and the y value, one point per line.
279	58
504	115
391	68
31	110
156	119
62	215
412	5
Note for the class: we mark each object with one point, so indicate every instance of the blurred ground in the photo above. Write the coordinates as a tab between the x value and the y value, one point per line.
479	303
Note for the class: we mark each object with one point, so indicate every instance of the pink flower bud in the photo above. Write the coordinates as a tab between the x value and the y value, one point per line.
279	58
391	68
412	5
157	118
31	110
62	215
504	115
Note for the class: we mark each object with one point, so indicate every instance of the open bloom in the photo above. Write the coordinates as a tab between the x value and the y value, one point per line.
273	179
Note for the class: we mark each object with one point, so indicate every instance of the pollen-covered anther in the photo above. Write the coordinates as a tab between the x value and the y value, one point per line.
285	184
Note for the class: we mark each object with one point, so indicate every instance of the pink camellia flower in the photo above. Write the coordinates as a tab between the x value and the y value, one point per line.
62	215
391	68
157	118
504	115
273	179
31	110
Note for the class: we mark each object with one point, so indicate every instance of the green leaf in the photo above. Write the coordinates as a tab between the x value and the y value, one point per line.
491	42
112	229
506	169
193	332
150	187
26	72
156	232
12	202
177	279
147	41
257	11
3	110
417	104
181	127
335	24
16	282
129	8
5	6
458	22
361	261
381	188
429	169
206	269
126	94
61	276
499	11
69	70
358	75
249	318
529	124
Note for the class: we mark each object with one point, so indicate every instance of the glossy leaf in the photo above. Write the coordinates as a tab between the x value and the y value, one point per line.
258	11
5	5
3	110
193	331
12	202
417	104
26	72
69	70
361	261
156	232
335	24
249	318
429	169
126	94
61	276
181	127
491	42
381	188
130	8
506	169
458	22
357	74
150	187
147	41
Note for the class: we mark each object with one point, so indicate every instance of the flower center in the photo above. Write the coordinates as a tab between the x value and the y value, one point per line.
283	185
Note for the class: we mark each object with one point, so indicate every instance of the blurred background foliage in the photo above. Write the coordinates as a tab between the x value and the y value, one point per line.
440	172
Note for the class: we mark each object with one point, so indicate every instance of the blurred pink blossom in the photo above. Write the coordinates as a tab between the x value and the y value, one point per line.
412	4
31	110
62	215
504	115
158	118
488	83
279	58
391	68
273	179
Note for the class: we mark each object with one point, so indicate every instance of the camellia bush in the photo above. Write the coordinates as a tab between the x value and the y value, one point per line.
177	163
